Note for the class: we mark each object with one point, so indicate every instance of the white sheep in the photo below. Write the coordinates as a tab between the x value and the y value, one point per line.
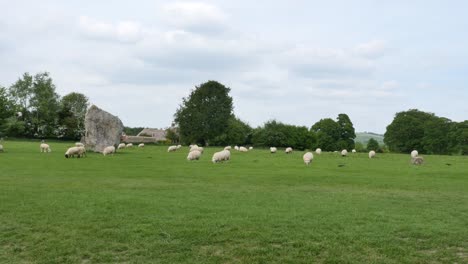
171	148
227	148
371	154
243	149
45	147
273	150
108	150
236	147
193	146
121	146
344	152
194	155
1	148
71	152
353	151
82	151
197	148
179	146
79	144
250	148
414	154
223	155
129	145
418	160
308	157
141	145
318	151
288	150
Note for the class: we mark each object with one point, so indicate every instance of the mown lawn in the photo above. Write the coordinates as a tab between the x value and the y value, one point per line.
150	206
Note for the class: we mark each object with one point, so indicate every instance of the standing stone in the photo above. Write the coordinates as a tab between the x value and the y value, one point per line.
102	129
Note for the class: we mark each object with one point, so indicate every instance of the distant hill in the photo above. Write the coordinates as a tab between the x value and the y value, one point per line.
363	137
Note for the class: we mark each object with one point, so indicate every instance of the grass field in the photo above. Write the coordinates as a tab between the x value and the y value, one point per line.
150	206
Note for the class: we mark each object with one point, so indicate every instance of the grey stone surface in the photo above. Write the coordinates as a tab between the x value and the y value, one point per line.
102	129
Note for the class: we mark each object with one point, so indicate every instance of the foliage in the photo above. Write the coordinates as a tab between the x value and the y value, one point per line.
372	144
205	114
172	135
72	113
277	134
238	133
347	133
328	134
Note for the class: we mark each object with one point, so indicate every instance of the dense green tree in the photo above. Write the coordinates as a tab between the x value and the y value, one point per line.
22	91
436	138
172	134
73	107
277	134
347	132
205	114
406	131
328	134
238	133
373	144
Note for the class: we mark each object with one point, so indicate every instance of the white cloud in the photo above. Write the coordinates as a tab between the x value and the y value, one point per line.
372	49
125	31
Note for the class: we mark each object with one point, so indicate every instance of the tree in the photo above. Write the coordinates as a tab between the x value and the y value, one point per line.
172	134
238	133
347	133
277	134
328	134
372	144
73	107
44	105
205	114
22	91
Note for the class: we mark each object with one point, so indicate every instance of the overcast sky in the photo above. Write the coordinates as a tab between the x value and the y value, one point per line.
293	61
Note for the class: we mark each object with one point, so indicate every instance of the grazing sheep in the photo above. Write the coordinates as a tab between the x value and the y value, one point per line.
121	146
141	145
243	149
197	148
71	152
273	150
171	148
417	160
223	155
371	154
414	154
193	146
353	151
308	157
79	144
318	151
82	151
1	148
250	148
179	146
194	155
236	147
227	148
288	150
344	152
129	145
45	148
108	150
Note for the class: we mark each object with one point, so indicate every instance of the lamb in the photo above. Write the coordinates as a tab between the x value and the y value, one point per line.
371	154
418	160
223	155
308	157
121	146
353	151
171	148
243	149
45	148
236	147
288	150
318	151
194	155
108	150
344	152
414	154
71	152
250	148
79	144
141	145
273	150
129	145
227	148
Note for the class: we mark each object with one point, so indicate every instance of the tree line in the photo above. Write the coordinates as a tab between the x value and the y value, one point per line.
31	108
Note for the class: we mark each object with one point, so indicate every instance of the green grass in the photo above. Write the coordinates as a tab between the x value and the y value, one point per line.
150	206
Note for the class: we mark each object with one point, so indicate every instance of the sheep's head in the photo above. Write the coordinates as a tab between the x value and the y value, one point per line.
66	156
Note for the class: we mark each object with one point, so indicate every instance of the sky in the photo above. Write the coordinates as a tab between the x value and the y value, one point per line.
293	61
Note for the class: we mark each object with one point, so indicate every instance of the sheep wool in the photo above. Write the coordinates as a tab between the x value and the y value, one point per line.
318	151
273	150
353	151
108	150
179	146
194	155
308	157
141	145
121	146
227	148
288	150
236	147
344	152
223	155
1	148
250	148
74	151
129	145
196	148
417	160
371	154
79	144
171	148
243	149
45	148
414	154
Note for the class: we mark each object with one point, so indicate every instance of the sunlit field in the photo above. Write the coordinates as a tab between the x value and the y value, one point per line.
150	206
